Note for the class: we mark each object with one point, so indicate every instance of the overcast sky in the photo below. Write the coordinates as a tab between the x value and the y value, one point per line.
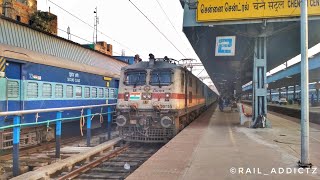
121	21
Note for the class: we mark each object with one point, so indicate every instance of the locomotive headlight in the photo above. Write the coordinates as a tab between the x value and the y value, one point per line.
121	120
167	96
126	96
166	122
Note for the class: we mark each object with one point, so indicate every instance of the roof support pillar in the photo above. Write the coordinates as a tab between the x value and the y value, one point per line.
305	161
259	81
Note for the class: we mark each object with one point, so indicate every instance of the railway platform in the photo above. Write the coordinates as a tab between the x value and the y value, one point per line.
315	109
293	110
215	146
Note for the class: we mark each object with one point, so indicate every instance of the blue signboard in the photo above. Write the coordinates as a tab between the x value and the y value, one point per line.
225	45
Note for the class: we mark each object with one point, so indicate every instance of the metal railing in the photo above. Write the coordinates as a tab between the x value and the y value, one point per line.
33	111
58	122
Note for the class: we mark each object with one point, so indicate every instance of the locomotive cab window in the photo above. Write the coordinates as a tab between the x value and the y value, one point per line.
135	78
161	78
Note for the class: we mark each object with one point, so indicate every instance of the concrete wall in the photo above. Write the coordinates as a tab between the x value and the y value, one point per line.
22	10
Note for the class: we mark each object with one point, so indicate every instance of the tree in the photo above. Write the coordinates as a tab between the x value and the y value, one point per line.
42	21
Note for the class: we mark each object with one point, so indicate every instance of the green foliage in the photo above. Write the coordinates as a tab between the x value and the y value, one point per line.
42	20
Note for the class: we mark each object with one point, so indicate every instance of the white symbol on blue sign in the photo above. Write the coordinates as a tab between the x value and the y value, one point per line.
225	45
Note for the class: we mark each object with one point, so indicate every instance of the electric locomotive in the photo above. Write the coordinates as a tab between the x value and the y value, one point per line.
157	99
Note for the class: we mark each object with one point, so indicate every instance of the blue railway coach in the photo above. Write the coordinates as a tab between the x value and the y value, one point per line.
33	80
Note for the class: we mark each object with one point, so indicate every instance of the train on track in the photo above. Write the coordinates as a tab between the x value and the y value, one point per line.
157	99
33	80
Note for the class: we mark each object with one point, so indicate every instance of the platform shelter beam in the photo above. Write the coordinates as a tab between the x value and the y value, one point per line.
58	134
260	78
304	162
16	142
89	117
109	122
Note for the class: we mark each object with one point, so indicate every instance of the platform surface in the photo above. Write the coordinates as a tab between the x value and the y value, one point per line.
215	146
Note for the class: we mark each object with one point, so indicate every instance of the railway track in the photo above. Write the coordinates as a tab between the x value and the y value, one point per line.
116	164
32	158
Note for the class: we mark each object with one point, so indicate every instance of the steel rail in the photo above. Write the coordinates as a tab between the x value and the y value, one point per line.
20	113
93	164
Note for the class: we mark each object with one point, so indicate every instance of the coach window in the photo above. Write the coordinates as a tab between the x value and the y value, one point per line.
161	78
69	91
190	97
100	93
86	92
203	90
32	90
182	82
111	93
46	90
135	78
13	89
59	91
78	92
94	93
197	87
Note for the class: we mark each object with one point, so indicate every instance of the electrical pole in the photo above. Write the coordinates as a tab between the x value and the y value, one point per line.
304	162
95	30
68	32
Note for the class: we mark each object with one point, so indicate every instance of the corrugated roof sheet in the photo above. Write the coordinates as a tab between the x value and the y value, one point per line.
19	35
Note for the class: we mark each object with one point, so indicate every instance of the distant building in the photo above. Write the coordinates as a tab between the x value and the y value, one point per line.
101	47
129	59
25	11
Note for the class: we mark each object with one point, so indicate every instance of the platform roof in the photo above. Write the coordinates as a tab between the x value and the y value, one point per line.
291	76
232	72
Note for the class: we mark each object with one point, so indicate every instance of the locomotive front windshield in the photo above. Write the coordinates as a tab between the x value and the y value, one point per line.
161	78
135	78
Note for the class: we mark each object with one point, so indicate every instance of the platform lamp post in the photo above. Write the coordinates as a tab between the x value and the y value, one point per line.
304	162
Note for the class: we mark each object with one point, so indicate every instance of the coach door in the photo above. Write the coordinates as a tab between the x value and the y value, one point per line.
13	86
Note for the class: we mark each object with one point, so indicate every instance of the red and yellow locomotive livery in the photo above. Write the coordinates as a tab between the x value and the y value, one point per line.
157	99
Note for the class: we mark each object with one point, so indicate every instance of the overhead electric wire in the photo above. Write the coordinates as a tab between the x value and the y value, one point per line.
83	39
171	23
74	35
200	72
157	29
91	26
